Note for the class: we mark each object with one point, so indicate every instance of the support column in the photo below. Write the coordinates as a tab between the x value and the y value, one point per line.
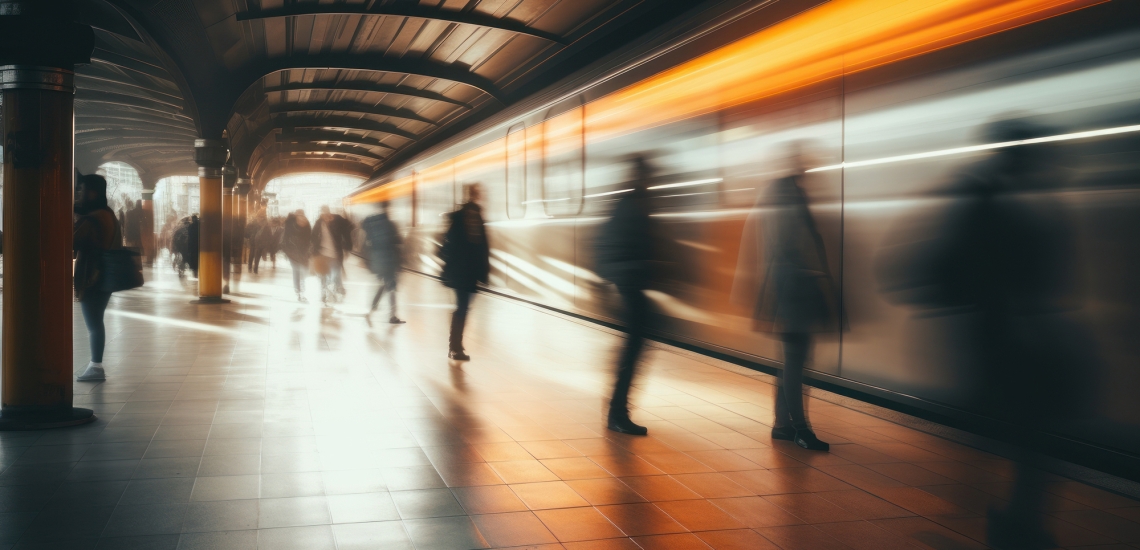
241	194
229	178
39	133
210	155
147	229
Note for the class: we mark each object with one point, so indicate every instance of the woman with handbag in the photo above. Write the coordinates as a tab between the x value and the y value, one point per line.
96	231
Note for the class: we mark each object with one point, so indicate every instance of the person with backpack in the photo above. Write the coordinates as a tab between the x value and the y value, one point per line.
623	252
466	255
96	230
384	257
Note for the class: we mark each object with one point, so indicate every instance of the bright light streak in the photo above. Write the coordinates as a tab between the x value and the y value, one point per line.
551	280
687	183
175	322
607	193
984	147
686	194
574	270
544	200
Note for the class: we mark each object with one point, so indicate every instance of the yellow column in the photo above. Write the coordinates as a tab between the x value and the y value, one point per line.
210	155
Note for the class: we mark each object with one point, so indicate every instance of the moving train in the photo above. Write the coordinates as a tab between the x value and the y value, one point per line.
892	100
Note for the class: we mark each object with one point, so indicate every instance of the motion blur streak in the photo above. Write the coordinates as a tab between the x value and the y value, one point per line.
984	147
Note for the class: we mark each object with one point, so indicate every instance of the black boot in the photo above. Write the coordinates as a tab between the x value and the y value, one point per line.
806	438
619	422
786	433
458	355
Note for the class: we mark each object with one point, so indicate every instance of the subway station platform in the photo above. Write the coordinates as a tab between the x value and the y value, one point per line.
266	423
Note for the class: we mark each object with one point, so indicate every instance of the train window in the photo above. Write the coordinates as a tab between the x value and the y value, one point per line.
516	171
563	163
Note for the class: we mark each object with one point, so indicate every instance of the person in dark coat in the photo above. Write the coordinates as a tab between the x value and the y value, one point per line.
296	241
252	230
466	255
185	244
782	254
95	231
623	253
383	257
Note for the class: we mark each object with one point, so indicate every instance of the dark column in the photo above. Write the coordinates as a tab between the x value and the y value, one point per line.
210	155
147	228
37	55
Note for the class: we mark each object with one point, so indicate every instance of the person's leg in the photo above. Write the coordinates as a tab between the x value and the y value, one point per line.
391	286
459	319
93	305
792	378
636	317
379	294
296	276
256	261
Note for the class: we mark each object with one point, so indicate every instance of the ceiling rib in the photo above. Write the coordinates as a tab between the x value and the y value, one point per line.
346	122
306	136
417	11
333	149
351	107
370	87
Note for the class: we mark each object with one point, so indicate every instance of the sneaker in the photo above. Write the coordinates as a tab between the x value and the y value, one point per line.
621	424
458	356
396	320
808	440
93	373
786	433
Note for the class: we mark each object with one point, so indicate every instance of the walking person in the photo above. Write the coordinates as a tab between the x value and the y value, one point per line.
384	257
466	255
328	246
252	231
96	230
296	242
623	252
782	267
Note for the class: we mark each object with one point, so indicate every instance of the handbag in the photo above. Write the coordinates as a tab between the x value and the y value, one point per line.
120	269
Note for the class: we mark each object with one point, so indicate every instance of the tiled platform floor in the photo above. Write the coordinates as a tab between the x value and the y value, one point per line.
270	424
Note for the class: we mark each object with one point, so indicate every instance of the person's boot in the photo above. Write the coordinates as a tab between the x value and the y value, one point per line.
396	320
785	433
806	438
619	422
458	355
93	373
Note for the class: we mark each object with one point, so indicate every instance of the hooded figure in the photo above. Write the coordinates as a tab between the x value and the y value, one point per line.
466	256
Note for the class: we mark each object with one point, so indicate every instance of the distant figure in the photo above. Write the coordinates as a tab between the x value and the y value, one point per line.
384	257
185	244
342	229
296	242
96	230
466	255
328	245
1002	254
255	232
624	251
784	277
132	230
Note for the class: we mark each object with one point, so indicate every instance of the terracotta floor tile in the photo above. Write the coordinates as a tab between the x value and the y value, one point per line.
734	441
965	496
713	485
756	512
548	495
928	534
723	460
801	537
740	539
699	515
469	475
679	541
656	488
973	527
626	464
769	458
513	529
1091	496
641	519
860	477
864	505
862	535
575	468
910	474
578	524
918	501
675	463
764	482
596	446
905	452
491	499
529	433
812	479
549	449
859	454
624	543
502	451
1070	534
811	458
603	491
523	471
641	446
1131	513
811	508
961	472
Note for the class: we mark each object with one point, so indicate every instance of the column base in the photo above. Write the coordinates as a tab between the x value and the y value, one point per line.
75	416
210	300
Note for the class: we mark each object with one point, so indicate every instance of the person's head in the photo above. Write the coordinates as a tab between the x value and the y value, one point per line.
384	207
326	213
91	192
474	193
640	171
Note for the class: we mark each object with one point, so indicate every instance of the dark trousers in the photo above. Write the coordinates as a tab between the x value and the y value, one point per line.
636	318
790	390
254	258
459	318
93	305
387	284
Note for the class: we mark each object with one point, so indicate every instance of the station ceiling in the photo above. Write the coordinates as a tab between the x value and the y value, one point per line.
348	86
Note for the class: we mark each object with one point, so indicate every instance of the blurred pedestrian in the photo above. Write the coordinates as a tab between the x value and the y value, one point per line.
383	240
784	279
296	242
342	230
96	230
466	255
328	246
624	251
253	234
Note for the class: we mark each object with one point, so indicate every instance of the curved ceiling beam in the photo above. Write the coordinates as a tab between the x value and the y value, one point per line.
332	136
120	132
129	100
103	121
100	15
332	149
414	10
126	62
360	62
370	87
351	107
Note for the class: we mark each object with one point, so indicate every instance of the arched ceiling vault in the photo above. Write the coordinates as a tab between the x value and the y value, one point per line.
351	85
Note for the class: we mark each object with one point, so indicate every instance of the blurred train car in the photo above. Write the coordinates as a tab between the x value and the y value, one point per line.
892	99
